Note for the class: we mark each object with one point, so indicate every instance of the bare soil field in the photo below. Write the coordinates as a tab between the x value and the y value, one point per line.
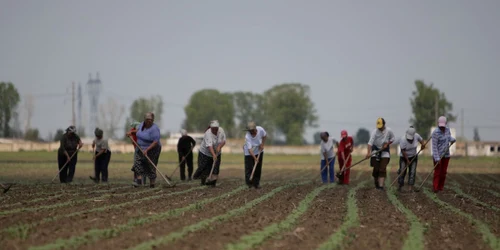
292	210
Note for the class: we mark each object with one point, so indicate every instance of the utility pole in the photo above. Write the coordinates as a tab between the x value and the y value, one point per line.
462	124
462	132
73	118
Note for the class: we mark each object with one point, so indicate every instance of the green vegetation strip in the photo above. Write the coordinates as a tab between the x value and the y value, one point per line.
482	228
455	187
22	231
73	202
256	238
351	220
94	235
210	221
415	239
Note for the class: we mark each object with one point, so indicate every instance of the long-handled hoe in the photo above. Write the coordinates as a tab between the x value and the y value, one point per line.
5	187
341	173
409	164
212	171
254	166
65	165
323	169
359	162
151	162
185	157
435	165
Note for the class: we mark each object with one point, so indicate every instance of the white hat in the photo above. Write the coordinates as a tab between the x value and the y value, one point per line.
442	121
410	133
183	132
214	124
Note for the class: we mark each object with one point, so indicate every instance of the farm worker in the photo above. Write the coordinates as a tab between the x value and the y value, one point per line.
207	155
101	157
184	147
381	139
221	142
408	144
327	157
132	134
255	139
148	140
69	144
346	146
441	139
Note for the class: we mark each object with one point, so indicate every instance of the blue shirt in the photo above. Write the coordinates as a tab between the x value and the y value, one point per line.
440	142
147	136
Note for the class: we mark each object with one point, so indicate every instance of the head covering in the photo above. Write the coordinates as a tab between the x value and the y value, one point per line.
343	134
410	133
251	125
149	115
214	124
98	132
442	121
71	129
325	133
380	122
135	124
183	132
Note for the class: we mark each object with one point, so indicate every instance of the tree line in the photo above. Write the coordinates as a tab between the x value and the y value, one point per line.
284	110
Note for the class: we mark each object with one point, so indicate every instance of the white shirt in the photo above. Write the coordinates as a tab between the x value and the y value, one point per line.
378	138
101	144
410	148
327	147
209	139
254	142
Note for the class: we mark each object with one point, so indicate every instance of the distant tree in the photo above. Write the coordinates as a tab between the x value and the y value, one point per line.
247	107
59	134
9	99
206	105
111	114
32	135
28	111
476	135
362	136
143	105
289	110
81	132
423	103
317	137
15	127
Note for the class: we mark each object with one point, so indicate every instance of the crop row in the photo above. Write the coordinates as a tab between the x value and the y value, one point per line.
488	237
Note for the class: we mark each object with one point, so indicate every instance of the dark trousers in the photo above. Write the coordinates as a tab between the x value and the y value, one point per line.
249	163
412	171
101	166
67	174
189	162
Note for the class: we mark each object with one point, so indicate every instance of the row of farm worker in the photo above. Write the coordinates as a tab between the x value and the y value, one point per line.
145	136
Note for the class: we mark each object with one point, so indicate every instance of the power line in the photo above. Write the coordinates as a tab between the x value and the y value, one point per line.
51	95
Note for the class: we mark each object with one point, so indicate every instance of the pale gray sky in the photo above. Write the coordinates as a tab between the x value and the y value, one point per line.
360	58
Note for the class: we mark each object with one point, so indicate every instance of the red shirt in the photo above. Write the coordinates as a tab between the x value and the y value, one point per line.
133	134
345	146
